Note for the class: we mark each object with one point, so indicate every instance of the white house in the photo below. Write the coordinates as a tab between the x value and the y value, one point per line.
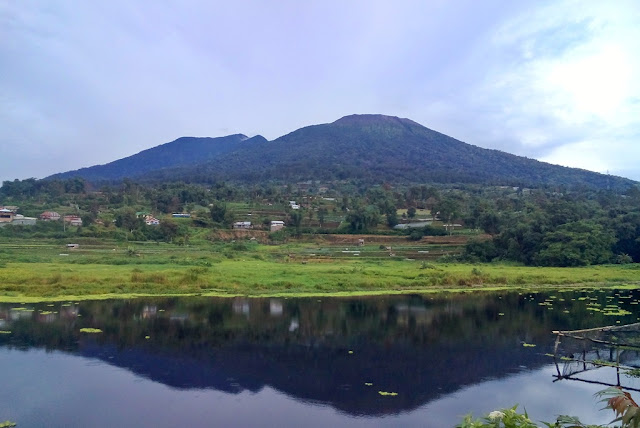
276	225
242	225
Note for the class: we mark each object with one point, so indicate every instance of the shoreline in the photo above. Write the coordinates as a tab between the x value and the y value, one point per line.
625	285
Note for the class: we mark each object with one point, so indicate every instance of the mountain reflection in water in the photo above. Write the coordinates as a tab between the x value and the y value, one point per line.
340	352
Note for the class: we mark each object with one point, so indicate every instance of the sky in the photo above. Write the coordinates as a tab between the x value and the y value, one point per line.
88	82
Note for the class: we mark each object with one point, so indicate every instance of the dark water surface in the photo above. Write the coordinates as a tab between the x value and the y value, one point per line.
197	362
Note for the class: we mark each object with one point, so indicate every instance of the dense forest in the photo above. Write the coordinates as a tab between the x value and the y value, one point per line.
371	149
539	227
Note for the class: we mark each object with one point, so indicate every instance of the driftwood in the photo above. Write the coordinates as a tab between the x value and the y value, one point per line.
580	351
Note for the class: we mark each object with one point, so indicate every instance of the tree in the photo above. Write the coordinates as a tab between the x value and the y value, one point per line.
295	218
322	212
169	230
220	214
448	209
576	244
127	219
362	219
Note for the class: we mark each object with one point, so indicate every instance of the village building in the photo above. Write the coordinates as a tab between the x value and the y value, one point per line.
6	215
242	225
21	220
276	225
49	216
73	220
151	221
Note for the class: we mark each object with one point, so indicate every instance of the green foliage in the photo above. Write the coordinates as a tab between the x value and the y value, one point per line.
220	214
625	408
579	243
363	219
370	148
506	418
416	235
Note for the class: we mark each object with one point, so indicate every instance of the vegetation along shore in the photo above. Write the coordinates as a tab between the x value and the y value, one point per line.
67	236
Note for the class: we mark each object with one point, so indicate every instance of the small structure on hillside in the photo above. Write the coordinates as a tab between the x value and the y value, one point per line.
49	216
6	215
21	220
151	220
73	246
242	225
73	220
276	225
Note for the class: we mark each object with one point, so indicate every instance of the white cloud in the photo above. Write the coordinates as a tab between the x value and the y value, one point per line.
562	85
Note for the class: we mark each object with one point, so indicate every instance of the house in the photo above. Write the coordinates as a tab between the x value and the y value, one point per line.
19	219
181	215
49	216
73	220
242	225
151	221
73	246
6	215
276	225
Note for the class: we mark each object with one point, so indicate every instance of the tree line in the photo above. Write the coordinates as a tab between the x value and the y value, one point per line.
541	227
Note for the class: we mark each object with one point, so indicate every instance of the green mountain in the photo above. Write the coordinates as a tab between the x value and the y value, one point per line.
371	148
181	152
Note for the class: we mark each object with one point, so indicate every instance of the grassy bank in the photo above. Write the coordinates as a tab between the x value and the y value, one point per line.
30	270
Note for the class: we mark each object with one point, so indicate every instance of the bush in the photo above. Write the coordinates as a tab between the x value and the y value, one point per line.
415	235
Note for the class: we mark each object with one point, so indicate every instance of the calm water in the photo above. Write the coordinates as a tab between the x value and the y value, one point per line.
199	362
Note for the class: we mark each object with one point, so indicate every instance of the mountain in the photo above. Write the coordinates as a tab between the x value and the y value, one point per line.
371	148
180	152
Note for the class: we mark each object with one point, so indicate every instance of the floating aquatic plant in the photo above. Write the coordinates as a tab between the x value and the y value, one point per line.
528	345
90	330
616	312
5	331
385	393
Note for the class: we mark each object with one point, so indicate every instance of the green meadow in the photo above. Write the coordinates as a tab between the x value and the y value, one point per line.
38	270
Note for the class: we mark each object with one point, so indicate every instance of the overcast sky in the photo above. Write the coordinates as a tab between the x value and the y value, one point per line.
89	82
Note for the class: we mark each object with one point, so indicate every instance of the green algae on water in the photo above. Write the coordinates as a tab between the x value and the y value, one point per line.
90	330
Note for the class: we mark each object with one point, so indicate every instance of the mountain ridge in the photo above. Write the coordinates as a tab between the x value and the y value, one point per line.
371	148
181	151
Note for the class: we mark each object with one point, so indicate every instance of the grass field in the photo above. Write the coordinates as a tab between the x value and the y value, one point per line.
36	270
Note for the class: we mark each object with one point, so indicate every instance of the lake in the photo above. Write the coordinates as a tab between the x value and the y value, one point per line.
390	361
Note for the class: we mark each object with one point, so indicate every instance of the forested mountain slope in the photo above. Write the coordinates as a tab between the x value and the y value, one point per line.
371	148
183	151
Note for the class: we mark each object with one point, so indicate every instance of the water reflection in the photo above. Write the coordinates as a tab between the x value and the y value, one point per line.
336	352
